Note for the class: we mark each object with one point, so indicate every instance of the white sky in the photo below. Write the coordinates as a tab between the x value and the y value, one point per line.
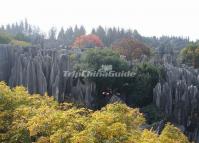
149	17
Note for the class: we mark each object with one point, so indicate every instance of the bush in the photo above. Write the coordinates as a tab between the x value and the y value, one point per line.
22	37
190	55
131	49
95	59
34	118
152	113
140	90
5	38
20	43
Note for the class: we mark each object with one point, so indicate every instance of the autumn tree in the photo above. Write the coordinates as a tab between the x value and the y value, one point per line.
26	118
87	41
131	49
172	134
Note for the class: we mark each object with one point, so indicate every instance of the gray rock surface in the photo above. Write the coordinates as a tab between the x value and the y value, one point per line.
178	98
41	71
115	98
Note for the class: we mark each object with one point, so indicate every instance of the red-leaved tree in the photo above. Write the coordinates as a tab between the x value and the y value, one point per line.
131	48
87	41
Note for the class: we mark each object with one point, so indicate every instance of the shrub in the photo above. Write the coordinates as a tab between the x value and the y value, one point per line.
34	118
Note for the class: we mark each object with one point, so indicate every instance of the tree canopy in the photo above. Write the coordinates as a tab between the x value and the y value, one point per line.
87	41
190	55
131	49
109	36
34	118
145	75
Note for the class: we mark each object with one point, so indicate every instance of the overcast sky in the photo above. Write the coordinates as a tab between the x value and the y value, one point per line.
149	17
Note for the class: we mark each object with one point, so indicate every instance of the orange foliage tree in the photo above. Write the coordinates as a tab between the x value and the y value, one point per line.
131	48
87	41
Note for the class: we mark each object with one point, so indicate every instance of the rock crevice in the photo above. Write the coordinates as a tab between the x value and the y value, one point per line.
178	98
42	71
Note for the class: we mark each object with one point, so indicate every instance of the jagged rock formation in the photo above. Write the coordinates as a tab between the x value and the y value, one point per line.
41	71
178	98
115	98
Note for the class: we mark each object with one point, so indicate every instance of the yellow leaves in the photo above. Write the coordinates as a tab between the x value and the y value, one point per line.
135	137
149	137
24	117
65	106
103	117
117	129
114	123
20	43
21	91
3	137
60	136
120	113
116	108
83	137
171	134
4	89
41	122
43	140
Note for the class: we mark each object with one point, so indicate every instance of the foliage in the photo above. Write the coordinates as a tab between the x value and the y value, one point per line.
96	59
5	38
145	75
68	36
87	41
152	113
140	89
171	134
20	43
131	49
22	37
108	35
34	118
23	31
190	55
18	40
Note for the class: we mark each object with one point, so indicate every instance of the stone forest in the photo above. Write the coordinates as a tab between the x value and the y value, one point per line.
38	103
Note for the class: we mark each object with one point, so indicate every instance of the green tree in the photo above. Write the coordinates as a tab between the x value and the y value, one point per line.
96	59
5	38
140	89
190	55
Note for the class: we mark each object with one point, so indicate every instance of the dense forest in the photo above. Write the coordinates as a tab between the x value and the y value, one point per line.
23	31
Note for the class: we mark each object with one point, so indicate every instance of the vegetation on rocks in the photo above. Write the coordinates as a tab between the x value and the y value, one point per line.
6	38
144	75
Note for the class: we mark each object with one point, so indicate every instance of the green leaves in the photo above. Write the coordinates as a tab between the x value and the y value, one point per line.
190	55
5	38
